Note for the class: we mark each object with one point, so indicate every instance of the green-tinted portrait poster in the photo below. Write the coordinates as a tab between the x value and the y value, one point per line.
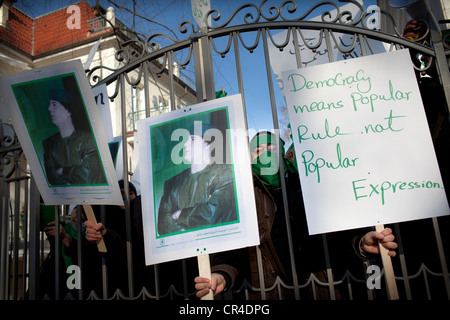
58	125
193	181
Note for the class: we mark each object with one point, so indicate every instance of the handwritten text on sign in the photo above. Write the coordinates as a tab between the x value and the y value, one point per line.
362	143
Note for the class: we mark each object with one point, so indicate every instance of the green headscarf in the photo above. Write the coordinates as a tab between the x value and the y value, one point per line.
288	164
265	166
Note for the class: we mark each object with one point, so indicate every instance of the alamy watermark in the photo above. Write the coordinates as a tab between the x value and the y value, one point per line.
216	146
374	280
371	21
74	280
74	21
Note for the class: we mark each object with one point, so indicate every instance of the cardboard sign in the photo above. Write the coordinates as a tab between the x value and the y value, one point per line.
59	128
196	181
362	143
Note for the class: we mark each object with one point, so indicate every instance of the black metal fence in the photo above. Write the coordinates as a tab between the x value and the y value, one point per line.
31	267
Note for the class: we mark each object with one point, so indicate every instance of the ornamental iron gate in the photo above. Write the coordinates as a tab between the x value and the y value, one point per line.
420	267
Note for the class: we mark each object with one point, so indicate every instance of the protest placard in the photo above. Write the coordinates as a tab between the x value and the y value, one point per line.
59	128
196	181
362	143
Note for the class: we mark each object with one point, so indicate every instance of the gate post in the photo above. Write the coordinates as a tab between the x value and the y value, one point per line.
204	77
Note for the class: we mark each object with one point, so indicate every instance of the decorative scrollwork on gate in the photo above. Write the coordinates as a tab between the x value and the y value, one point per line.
11	154
156	52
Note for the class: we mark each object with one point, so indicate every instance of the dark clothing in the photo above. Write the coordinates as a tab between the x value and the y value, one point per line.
308	250
77	155
273	245
169	274
205	198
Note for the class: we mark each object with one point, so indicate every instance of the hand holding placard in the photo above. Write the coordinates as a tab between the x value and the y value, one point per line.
91	217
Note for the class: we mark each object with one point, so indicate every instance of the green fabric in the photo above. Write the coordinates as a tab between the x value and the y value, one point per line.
266	168
266	165
261	139
288	164
221	94
71	231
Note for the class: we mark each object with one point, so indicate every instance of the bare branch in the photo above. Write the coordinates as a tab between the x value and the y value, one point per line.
142	17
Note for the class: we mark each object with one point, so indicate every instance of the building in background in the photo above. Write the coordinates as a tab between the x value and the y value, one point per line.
70	33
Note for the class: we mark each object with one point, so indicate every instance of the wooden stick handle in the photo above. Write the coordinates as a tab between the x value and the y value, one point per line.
91	217
391	285
204	269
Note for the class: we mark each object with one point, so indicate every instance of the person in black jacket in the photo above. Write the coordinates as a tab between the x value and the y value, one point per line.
70	155
114	234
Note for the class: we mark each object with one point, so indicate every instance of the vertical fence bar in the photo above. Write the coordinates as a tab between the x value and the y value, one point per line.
35	218
362	45
205	90
204	78
281	167
80	250
57	253
147	115
4	241
298	57
7	243
441	58
199	71
104	266
15	230
173	105
125	186
185	279
402	259
25	238
437	233
208	68
328	265
237	60
3	219
325	244
262	284
146	89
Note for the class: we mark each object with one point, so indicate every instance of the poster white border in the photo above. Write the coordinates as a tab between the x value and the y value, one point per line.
105	193
242	233
375	159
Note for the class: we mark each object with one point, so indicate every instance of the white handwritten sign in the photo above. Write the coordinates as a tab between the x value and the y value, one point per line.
362	143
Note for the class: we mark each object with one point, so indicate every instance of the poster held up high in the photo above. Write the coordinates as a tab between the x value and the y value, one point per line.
362	143
58	125
196	181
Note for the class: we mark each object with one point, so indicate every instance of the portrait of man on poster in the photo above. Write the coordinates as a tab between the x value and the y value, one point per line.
196	182
70	155
203	194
